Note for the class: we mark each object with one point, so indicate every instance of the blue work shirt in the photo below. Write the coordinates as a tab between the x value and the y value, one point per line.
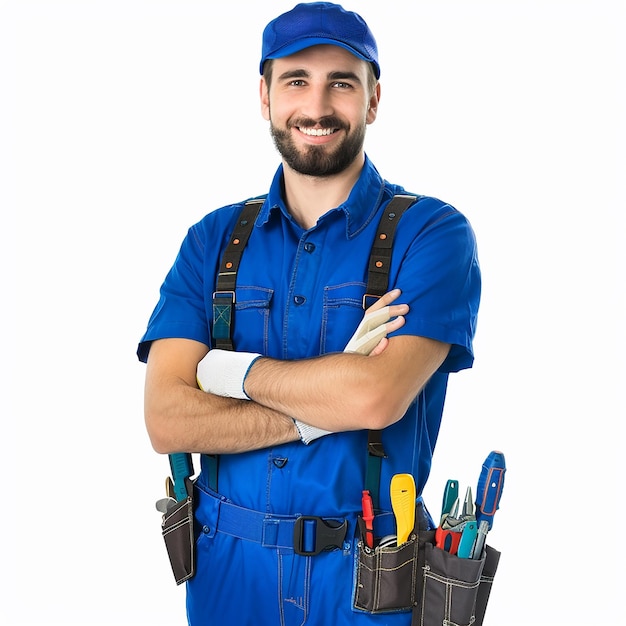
299	294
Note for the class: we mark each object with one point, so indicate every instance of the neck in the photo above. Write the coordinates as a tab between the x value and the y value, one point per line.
309	197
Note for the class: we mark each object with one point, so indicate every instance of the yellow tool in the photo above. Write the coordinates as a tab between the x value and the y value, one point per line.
403	504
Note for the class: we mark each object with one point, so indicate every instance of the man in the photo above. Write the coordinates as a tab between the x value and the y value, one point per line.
289	411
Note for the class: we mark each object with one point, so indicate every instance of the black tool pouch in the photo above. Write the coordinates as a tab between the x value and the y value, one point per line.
439	587
386	577
177	529
453	590
492	558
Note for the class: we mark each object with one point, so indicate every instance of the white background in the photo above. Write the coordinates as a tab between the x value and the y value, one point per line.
124	122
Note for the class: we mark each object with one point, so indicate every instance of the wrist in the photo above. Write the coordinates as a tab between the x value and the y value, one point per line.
223	372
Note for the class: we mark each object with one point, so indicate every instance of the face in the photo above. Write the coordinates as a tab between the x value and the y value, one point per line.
318	105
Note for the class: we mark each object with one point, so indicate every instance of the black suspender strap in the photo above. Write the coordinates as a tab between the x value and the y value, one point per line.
224	296
377	285
380	257
223	304
224	300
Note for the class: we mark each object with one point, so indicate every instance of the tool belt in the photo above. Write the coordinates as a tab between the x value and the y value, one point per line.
436	586
307	535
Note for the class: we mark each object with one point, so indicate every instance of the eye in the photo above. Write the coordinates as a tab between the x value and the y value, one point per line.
341	85
297	82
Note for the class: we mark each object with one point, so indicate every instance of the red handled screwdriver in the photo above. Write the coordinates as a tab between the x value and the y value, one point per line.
368	517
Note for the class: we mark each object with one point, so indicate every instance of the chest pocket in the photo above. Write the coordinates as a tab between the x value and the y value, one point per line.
342	313
252	315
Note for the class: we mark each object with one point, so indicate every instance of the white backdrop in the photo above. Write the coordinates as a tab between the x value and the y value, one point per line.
122	122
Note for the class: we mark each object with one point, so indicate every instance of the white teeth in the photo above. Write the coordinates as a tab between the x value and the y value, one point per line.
317	132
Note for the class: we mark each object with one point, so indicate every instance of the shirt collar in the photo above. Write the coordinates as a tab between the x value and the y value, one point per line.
359	208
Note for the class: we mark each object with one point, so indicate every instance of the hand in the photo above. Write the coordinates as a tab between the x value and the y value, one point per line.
371	334
223	372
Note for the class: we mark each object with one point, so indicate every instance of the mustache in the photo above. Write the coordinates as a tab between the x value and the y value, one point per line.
330	121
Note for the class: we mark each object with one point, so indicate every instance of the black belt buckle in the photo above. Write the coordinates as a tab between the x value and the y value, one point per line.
312	535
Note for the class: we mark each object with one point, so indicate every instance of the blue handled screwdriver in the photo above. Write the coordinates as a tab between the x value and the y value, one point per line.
490	485
488	494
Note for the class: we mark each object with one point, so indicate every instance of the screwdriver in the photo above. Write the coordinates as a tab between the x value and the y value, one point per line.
490	485
368	517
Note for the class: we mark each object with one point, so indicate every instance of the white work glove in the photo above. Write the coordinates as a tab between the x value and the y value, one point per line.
223	372
366	337
369	332
310	433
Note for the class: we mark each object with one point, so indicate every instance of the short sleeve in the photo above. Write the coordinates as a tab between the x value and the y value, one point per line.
180	311
439	276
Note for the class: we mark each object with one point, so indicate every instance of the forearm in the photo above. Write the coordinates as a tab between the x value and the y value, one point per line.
182	418
193	421
319	391
347	391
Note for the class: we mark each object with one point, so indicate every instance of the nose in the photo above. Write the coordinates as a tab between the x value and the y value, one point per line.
318	102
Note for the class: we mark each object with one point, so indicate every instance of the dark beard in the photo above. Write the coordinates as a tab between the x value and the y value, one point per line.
317	160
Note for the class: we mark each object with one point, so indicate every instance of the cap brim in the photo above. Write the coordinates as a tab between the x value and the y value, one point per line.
309	42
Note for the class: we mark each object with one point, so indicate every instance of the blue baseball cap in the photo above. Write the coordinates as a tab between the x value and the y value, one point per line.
313	23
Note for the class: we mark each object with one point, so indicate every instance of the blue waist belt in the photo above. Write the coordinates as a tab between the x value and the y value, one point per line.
307	535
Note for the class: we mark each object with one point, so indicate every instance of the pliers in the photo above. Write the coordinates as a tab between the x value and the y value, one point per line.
456	534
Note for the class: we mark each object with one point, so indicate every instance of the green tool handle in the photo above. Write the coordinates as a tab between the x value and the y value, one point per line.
182	468
450	495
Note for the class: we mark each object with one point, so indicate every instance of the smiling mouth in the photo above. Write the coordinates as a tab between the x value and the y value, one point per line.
317	132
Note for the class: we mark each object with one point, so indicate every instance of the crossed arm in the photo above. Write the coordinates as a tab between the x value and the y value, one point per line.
348	391
336	392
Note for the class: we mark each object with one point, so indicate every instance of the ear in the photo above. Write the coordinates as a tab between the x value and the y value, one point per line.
372	109
265	99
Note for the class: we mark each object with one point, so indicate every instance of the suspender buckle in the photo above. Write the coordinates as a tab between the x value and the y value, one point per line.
369	299
312	535
226	295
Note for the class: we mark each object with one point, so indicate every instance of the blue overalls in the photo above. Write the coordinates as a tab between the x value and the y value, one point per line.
299	294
